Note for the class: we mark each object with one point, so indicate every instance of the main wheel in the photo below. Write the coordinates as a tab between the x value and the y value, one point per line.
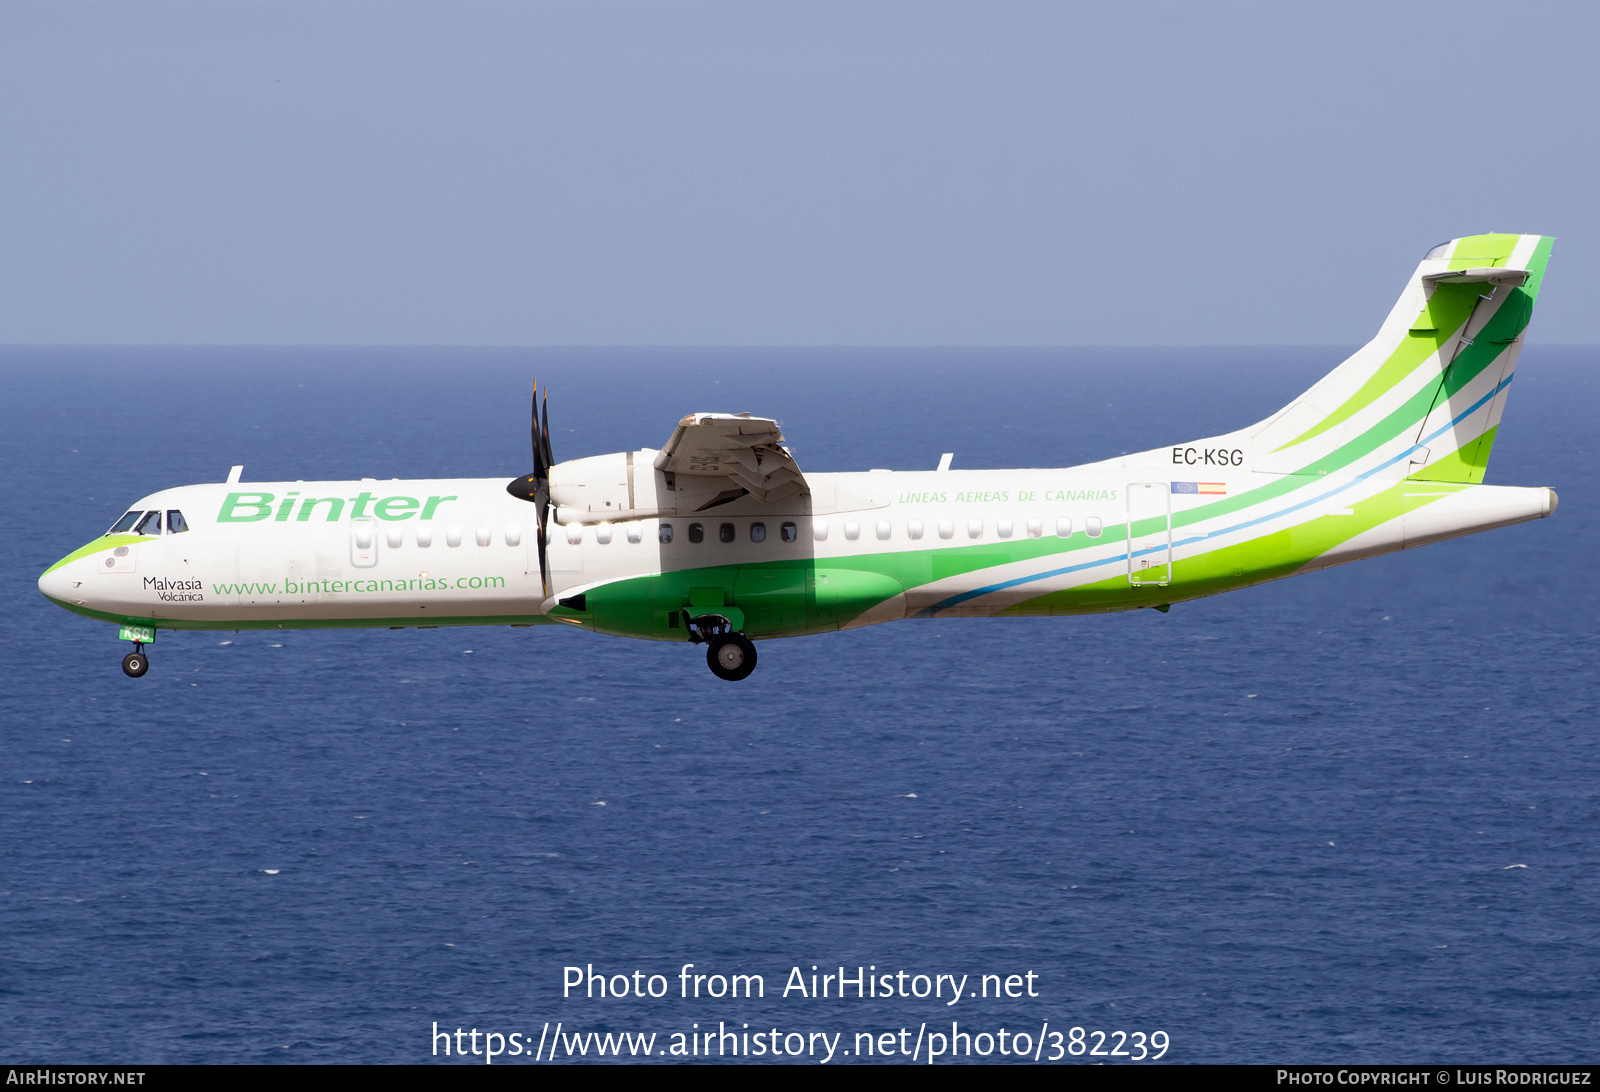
135	664
731	657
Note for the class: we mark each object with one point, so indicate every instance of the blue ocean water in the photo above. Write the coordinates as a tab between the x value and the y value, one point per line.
1280	825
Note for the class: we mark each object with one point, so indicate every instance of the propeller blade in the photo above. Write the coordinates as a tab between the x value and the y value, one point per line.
543	460
536	435
544	568
535	487
549	455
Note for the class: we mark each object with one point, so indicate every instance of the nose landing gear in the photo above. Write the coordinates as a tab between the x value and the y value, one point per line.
729	654
136	663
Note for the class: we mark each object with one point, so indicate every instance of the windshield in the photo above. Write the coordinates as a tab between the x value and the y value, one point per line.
175	522
150	525
125	523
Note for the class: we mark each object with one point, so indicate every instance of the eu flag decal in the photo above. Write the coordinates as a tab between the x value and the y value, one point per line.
1216	489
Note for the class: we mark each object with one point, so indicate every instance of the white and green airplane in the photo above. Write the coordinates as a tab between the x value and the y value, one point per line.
719	539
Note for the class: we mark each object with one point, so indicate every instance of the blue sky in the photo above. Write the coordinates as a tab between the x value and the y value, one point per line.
770	173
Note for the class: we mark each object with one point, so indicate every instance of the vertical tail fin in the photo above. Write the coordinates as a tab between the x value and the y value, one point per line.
1423	398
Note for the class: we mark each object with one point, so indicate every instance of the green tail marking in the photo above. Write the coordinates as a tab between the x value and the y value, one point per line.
1449	308
1466	465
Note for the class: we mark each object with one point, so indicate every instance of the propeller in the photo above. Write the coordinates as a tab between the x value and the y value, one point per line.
535	487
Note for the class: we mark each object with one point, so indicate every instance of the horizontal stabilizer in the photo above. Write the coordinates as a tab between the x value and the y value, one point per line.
1515	278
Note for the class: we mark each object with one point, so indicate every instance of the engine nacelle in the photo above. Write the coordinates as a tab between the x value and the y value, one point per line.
602	488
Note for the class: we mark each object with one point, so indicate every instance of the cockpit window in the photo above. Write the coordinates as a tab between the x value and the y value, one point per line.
175	524
125	523
150	525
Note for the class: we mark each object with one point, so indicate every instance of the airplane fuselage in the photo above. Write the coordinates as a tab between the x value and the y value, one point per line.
861	548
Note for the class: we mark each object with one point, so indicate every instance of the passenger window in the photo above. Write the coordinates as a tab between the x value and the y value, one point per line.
574	535
602	534
484	536
394	536
1064	528
726	533
819	530
635	532
665	534
697	533
974	528
852	530
1035	528
788	532
175	523
452	536
513	535
1003	528
424	536
150	525
1092	525
947	528
885	529
914	528
125	523
758	532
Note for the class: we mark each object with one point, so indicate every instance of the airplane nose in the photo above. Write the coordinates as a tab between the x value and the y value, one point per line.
64	580
57	583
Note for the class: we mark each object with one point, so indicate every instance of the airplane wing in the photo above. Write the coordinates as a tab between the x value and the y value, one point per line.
742	450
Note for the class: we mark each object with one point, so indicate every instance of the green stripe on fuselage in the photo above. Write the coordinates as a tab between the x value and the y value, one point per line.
1256	561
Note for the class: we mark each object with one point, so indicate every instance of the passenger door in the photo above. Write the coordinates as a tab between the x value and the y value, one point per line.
1149	533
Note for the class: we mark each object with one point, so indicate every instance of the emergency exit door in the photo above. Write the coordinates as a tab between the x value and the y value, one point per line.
1149	533
363	543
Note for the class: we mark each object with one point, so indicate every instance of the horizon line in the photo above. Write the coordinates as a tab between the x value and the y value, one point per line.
690	345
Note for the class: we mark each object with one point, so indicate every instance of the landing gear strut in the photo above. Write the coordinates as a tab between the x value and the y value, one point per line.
729	654
135	663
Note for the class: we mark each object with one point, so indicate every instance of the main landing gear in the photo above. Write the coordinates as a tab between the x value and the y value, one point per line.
135	663
729	655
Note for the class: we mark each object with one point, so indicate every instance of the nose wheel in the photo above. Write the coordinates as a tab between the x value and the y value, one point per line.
135	663
731	657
